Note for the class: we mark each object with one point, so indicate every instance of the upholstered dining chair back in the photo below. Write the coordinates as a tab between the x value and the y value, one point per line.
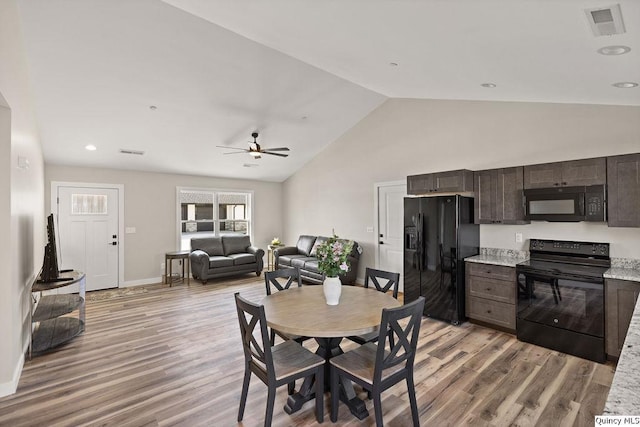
281	279
382	280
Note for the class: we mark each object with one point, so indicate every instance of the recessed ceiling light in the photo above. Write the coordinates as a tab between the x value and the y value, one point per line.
614	50
250	165
489	85
625	85
153	107
393	64
90	147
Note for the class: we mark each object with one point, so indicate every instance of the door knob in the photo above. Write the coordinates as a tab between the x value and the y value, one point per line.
113	243
382	243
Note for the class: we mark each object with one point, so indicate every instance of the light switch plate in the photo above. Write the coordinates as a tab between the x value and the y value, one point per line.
130	230
518	237
369	229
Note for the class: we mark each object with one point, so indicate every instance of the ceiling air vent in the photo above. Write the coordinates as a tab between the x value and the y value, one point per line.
605	21
127	151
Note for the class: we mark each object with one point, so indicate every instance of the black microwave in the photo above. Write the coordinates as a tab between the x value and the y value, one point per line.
569	204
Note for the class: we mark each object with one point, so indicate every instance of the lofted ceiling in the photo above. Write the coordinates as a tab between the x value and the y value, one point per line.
176	78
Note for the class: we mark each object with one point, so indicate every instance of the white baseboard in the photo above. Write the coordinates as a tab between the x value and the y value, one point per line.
149	281
10	387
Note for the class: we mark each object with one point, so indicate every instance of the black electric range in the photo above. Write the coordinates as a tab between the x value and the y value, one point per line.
561	297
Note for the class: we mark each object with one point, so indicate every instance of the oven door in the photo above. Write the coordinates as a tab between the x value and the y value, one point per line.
573	304
555	204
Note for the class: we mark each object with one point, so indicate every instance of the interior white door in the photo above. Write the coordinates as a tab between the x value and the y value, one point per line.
88	234
390	223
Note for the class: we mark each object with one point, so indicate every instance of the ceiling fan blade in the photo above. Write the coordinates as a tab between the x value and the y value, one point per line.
276	149
237	152
275	154
231	148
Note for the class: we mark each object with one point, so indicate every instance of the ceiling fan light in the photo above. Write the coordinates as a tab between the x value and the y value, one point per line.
255	154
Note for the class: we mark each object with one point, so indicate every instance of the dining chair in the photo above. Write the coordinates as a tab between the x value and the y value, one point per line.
383	281
392	280
280	280
274	365
378	366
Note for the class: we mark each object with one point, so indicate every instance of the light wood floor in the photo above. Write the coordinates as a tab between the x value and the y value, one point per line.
172	356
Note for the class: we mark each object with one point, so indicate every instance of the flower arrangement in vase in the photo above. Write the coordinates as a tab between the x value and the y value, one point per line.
332	260
276	242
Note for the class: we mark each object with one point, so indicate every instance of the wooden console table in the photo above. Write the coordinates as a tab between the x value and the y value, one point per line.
52	327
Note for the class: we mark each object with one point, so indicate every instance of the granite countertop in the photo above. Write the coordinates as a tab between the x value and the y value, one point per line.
624	269
504	257
624	395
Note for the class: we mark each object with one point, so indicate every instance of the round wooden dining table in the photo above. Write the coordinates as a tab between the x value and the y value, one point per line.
303	311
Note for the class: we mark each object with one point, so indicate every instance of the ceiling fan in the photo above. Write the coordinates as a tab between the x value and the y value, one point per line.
255	150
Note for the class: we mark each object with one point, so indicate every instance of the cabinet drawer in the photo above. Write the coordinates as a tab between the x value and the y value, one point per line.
497	313
492	271
497	290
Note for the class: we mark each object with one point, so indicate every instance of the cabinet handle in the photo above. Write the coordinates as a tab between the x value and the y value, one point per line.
556	183
488	311
488	289
564	183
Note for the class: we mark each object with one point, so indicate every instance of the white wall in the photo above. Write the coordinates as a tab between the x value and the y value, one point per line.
406	136
21	199
150	207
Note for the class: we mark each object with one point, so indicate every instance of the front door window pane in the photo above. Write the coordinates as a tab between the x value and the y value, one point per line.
88	204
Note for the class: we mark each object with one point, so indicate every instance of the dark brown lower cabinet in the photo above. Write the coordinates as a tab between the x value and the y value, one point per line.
491	294
620	301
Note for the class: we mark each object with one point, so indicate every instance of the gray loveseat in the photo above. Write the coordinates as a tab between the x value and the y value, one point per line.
303	256
213	257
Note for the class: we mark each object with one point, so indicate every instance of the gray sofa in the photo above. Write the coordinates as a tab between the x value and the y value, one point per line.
303	256
213	257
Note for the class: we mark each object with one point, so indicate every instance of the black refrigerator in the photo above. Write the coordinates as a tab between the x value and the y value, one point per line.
439	234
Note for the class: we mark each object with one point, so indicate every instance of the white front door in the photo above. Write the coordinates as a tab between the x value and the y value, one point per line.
88	234
390	224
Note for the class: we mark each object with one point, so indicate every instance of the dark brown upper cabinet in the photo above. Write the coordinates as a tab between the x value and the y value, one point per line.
440	182
623	189
566	174
498	196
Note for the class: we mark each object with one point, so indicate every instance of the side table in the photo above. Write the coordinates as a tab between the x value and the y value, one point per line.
168	266
50	327
270	258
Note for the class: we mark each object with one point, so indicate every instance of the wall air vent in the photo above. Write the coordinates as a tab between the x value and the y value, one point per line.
127	151
605	21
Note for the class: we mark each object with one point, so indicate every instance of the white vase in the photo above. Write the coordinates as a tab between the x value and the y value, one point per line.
332	288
